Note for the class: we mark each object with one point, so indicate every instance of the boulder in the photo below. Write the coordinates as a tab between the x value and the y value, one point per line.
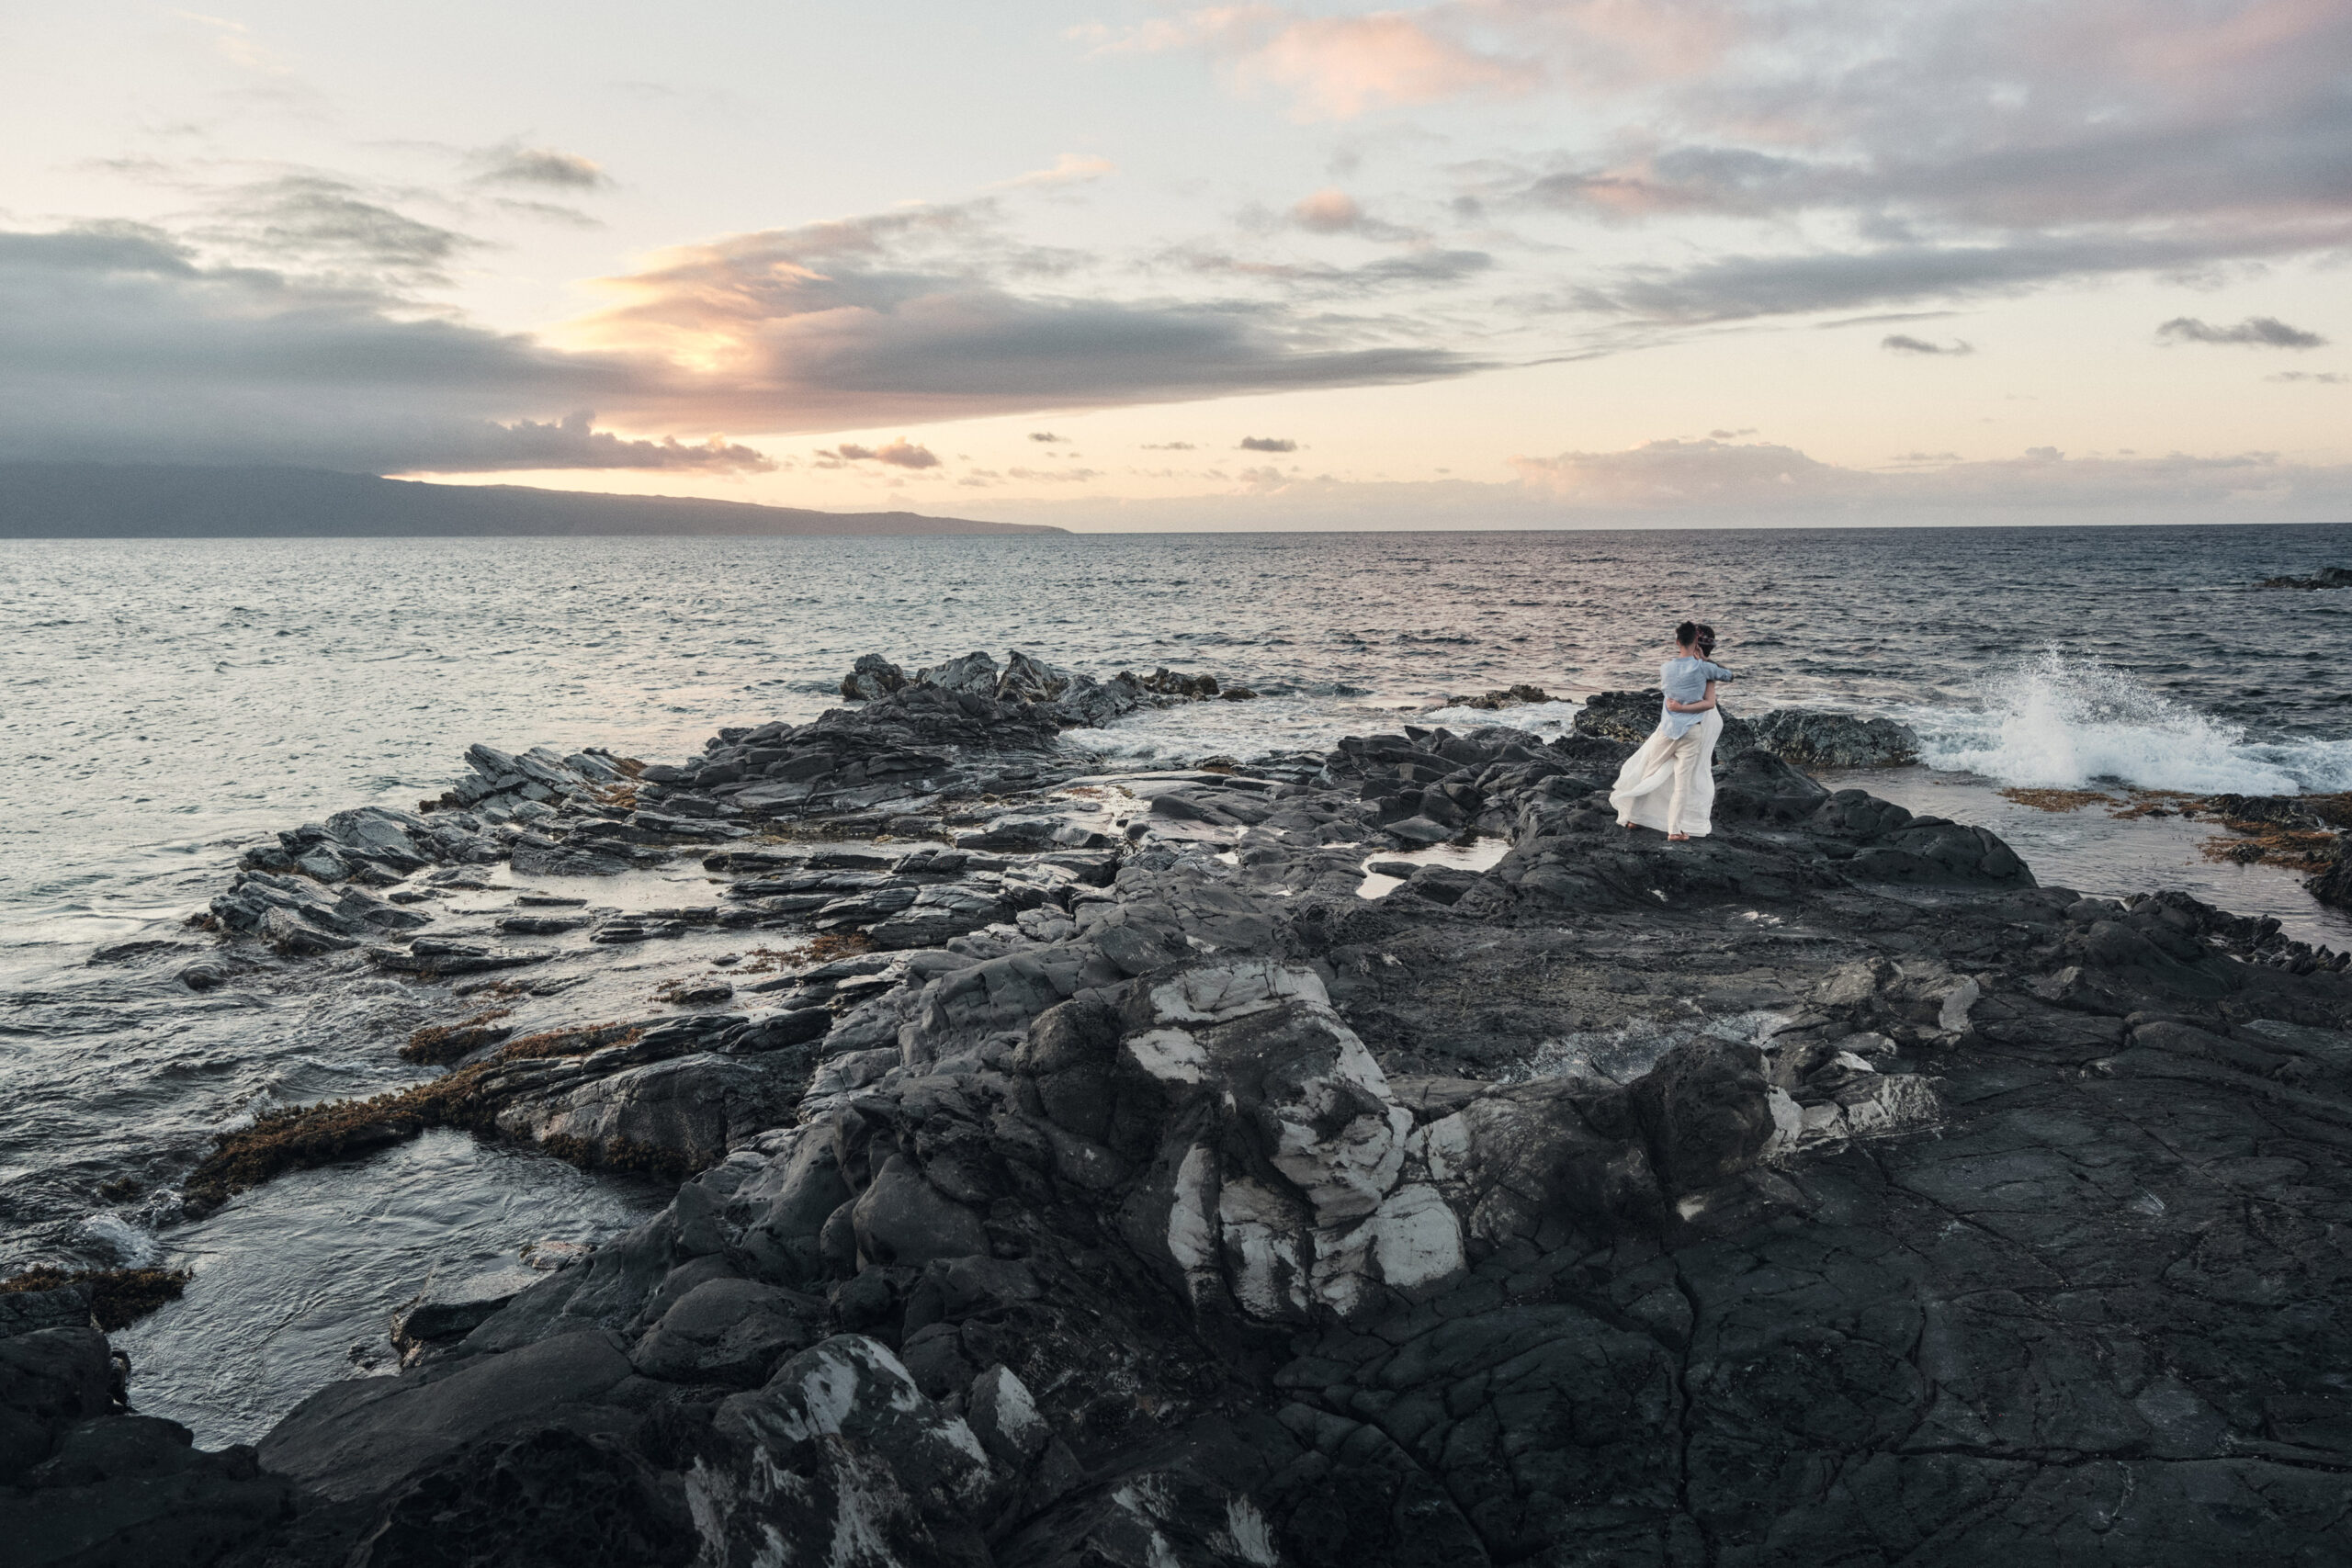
1834	740
449	1311
729	1331
901	1218
872	677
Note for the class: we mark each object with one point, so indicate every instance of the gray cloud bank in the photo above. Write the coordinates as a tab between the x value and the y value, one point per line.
124	343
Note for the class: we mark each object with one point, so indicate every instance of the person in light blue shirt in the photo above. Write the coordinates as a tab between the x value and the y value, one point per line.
1670	783
1689	680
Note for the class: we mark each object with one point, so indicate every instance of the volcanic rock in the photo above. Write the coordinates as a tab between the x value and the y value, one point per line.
1822	1189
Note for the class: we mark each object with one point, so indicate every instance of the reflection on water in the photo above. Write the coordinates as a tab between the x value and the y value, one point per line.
1476	855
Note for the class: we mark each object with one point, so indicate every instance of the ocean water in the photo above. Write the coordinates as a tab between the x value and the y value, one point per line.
162	704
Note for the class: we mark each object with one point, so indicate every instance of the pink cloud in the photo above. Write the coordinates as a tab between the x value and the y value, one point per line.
1340	67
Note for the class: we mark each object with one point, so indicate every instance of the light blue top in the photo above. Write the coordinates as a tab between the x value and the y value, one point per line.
1685	680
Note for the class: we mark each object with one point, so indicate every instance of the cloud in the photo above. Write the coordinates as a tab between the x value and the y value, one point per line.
1070	168
1266	444
1416	270
899	453
1328	211
1042	435
118	344
905	454
927	313
1902	343
516	164
573	443
321	222
1333	212
2325	377
1330	67
2257	331
121	338
1738	286
1952	147
1169	446
1055	476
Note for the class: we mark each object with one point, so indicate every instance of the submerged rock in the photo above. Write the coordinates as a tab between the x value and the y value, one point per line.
2326	577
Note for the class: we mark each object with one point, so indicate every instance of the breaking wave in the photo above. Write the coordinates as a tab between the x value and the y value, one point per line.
2056	722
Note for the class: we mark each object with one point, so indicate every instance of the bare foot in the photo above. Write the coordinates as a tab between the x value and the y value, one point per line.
1678	837
1627	826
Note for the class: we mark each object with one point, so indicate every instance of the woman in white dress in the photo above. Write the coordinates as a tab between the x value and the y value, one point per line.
1670	783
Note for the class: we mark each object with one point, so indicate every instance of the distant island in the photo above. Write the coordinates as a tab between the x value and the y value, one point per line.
95	500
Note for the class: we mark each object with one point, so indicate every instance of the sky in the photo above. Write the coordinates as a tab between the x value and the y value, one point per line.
1478	264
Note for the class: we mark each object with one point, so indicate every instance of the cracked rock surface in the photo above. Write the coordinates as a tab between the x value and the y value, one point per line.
1141	1193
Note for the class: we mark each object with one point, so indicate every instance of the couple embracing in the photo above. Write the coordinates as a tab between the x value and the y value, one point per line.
1670	783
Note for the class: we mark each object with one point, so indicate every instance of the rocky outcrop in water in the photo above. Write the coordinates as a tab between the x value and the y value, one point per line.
1070	699
1834	740
1501	697
1143	1194
2326	577
1805	737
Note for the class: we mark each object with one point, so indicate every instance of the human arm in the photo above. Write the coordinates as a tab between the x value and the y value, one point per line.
1701	705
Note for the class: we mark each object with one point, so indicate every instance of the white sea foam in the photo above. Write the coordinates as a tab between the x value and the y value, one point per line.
2056	722
134	1247
1539	718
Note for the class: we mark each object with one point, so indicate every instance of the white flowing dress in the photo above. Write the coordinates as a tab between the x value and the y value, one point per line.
1670	783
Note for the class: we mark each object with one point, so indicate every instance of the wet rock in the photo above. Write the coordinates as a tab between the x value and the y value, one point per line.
1807	738
1494	701
872	677
441	958
2326	577
451	1310
2334	885
132	1489
885	1465
1707	1113
206	974
729	1331
365	1437
901	1218
1834	740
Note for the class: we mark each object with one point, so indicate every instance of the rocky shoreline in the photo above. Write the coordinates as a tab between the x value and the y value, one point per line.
1376	1157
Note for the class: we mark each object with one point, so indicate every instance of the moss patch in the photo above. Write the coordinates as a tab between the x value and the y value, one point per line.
304	1136
118	1297
2057	799
574	1042
2266	843
824	949
446	1042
